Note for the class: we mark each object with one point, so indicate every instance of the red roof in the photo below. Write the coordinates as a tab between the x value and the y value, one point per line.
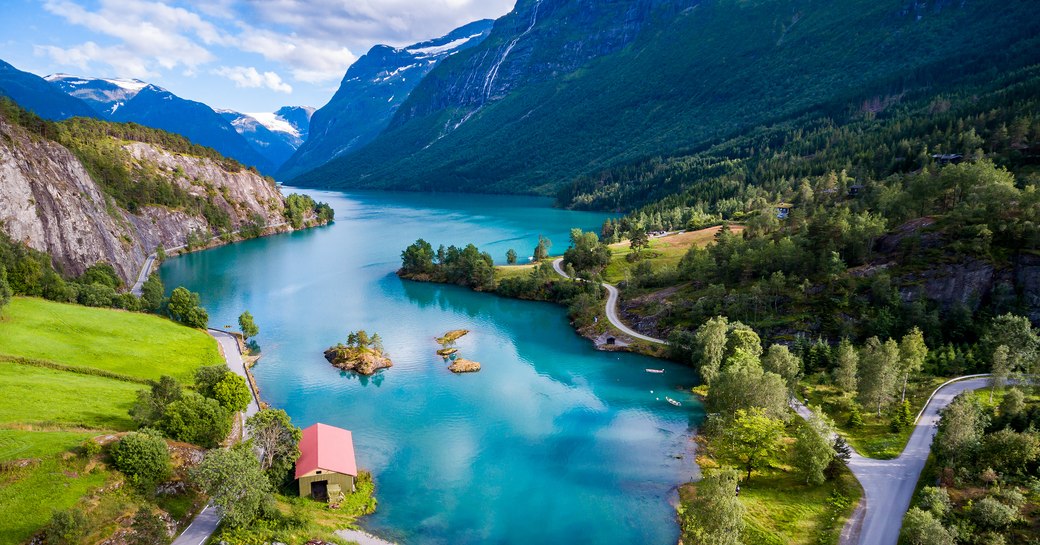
327	448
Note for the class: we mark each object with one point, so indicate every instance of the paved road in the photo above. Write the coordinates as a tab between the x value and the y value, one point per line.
146	270
888	485
229	345
206	522
201	528
611	308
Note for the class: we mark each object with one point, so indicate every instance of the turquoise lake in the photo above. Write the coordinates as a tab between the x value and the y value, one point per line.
552	442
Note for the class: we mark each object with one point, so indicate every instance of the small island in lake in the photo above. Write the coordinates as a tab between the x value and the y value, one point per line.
362	354
449	352
462	365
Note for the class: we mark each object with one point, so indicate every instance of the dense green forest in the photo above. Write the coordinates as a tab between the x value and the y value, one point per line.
896	134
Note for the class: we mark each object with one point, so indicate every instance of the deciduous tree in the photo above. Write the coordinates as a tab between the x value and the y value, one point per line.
912	353
779	359
247	325
814	449
276	441
751	438
715	516
879	366
710	341
235	482
847	367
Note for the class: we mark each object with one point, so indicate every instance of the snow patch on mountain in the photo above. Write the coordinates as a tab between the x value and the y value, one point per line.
275	122
440	49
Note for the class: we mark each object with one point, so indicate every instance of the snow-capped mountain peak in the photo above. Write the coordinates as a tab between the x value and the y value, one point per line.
275	123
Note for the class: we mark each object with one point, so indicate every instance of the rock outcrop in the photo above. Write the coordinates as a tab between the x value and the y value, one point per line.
49	201
462	365
359	360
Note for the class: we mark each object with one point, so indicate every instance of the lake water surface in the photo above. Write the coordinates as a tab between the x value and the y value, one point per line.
552	442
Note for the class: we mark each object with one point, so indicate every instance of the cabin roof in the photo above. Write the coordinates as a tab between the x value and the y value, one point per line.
327	448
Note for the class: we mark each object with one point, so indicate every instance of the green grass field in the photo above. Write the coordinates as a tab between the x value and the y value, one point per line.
45	413
57	399
663	253
128	343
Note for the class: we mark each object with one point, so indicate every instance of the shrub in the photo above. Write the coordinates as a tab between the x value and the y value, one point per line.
197	420
148	529
921	528
65	527
232	393
990	513
144	458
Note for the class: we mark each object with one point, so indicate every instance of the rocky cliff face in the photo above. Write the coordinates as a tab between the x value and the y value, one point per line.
49	202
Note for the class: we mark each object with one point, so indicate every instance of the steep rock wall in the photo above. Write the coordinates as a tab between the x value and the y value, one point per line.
49	202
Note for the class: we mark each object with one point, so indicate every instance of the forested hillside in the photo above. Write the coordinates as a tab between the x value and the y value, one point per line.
688	79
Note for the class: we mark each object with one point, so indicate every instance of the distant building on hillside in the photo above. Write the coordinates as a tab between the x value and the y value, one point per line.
326	467
783	210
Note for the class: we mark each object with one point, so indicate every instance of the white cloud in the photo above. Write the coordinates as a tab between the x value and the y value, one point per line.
125	63
151	35
250	77
359	24
308	60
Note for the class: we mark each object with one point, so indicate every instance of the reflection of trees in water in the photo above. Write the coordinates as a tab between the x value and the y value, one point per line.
375	380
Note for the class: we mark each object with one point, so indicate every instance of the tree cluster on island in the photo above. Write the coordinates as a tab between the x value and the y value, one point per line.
363	354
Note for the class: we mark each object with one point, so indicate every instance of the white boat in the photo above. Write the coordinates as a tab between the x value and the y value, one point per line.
658	371
672	401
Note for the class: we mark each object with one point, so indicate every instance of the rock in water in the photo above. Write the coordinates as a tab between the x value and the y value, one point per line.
462	365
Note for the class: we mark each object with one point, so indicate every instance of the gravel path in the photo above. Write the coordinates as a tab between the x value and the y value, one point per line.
611	308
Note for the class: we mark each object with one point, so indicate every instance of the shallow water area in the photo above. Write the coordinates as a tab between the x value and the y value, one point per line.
551	442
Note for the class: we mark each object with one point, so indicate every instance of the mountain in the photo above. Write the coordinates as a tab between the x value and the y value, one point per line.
135	101
37	95
372	90
104	96
272	135
157	190
563	89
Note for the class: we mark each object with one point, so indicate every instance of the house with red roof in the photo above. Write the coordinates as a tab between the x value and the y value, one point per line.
326	466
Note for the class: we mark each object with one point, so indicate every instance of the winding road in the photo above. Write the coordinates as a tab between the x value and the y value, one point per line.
888	485
611	307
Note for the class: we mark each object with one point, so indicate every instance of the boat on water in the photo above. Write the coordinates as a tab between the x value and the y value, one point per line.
658	371
672	401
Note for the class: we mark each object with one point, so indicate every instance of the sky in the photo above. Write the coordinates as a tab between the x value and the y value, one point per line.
244	55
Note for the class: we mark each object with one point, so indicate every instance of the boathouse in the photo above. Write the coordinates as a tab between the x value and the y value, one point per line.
326	466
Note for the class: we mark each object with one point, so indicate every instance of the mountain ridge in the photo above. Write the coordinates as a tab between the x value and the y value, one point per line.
695	73
371	91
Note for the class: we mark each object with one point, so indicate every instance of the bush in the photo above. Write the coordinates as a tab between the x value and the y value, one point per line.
148	529
232	393
990	513
144	458
89	448
197	420
921	528
65	527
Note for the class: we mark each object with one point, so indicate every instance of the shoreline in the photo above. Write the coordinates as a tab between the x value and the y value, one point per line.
248	361
149	266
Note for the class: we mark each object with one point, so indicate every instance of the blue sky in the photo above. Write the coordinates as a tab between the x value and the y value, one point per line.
245	55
